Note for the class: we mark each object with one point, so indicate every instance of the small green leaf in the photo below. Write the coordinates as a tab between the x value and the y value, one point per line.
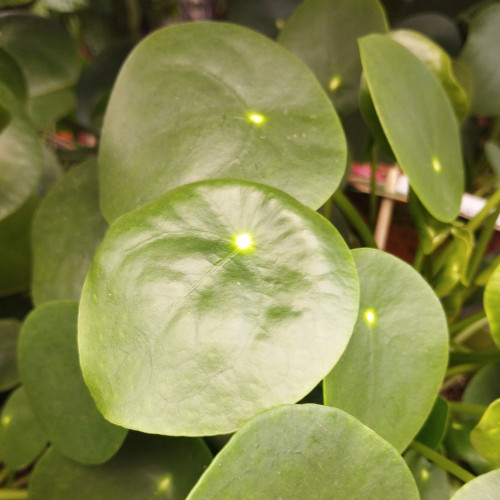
12	76
432	481
9	333
492	304
223	295
485	437
21	437
480	54
492	152
51	374
67	229
324	34
302	452
401	328
15	249
46	109
146	467
484	487
418	121
484	387
212	100
433	431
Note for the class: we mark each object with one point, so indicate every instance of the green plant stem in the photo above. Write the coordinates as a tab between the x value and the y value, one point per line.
474	357
13	494
419	257
467	408
482	243
352	215
442	462
470	330
466	368
479	218
465	322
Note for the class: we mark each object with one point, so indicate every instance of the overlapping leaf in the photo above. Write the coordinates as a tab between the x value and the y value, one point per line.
9	332
484	487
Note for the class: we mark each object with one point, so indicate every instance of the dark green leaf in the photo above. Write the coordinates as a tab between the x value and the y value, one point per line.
324	34
45	109
401	328
484	387
21	437
484	487
12	76
9	332
213	100
492	152
51	374
65	5
306	452
146	467
434	429
184	330
480	54
67	229
418	121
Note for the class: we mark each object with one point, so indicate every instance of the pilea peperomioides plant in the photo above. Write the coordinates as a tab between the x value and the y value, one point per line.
211	317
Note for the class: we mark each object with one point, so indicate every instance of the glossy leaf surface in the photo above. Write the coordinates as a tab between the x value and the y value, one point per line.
177	314
21	161
146	467
492	304
418	121
484	487
21	437
306	451
431	480
67	229
324	34
213	100
480	54
485	437
15	249
9	333
50	371
400	328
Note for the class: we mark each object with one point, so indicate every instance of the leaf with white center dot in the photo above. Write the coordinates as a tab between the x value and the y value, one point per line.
401	327
222	295
305	452
324	34
212	100
146	467
418	121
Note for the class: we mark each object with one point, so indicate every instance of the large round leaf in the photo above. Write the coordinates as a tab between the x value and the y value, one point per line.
213	100
21	158
418	121
401	328
492	304
51	374
484	487
66	232
146	467
9	332
303	452
324	34
480	54
211	304
21	437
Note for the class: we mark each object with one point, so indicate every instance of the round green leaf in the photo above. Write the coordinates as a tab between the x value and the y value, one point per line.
21	159
50	371
43	49
401	328
484	487
21	437
418	122
492	304
432	482
213	100
12	75
9	332
46	109
146	467
480	54
67	229
436	59
324	34
484	387
302	452
15	249
485	437
211	304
